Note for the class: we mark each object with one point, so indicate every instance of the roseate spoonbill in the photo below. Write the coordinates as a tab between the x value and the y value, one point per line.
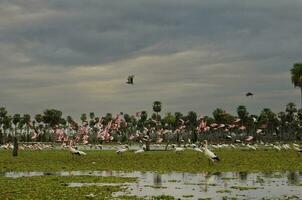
209	154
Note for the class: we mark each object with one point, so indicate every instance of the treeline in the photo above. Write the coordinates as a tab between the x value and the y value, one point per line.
51	126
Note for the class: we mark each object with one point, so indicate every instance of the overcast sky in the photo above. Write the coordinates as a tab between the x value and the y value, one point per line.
75	55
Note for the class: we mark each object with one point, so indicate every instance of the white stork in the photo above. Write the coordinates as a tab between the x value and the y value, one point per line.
209	154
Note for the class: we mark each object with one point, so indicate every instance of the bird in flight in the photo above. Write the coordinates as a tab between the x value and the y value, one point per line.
130	79
249	94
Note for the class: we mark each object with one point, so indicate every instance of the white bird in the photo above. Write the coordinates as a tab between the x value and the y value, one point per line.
251	147
122	150
177	149
277	147
140	151
197	149
91	195
76	152
209	154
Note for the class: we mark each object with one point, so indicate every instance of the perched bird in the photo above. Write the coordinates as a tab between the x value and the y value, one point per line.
209	154
249	94
130	79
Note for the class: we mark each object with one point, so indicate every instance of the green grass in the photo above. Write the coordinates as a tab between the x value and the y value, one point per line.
160	161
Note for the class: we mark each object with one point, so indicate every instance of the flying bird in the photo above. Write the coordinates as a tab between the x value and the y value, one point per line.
249	94
130	79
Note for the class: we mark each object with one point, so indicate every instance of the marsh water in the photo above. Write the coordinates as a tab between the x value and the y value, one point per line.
240	185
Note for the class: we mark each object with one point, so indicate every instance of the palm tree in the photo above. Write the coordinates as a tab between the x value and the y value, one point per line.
296	76
16	121
157	107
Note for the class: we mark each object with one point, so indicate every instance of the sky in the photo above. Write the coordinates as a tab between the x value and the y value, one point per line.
75	55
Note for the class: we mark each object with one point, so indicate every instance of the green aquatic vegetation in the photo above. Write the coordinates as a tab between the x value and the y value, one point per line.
245	187
161	197
160	161
228	178
173	181
156	186
187	196
223	191
55	187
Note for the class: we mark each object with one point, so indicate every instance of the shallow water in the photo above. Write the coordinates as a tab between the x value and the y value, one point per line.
200	185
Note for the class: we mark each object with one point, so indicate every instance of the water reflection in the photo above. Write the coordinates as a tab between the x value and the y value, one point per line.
243	176
157	179
293	178
200	185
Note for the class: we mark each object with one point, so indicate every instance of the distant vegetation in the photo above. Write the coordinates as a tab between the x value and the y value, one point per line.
51	126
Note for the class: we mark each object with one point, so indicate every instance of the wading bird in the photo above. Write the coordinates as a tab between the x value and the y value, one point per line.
209	154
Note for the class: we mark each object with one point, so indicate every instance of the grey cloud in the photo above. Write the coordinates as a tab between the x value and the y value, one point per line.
192	55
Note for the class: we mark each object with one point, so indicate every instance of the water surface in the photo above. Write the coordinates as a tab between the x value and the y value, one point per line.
240	185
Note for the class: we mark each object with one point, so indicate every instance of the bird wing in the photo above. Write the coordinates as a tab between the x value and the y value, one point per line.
210	154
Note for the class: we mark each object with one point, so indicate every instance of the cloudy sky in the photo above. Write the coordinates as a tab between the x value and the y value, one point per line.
75	55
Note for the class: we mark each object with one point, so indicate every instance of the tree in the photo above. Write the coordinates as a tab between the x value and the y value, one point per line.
83	117
219	115
296	76
169	119
16	121
52	117
268	119
3	113
157	107
192	119
242	114
144	116
291	111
